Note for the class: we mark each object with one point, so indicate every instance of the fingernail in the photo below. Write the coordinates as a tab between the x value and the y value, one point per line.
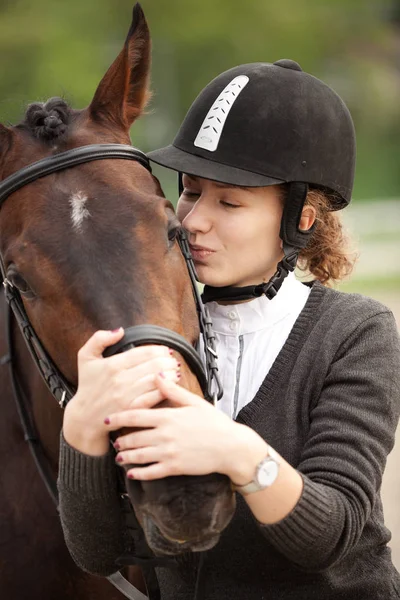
106	421
116	330
119	458
162	375
178	374
170	351
130	476
179	364
117	446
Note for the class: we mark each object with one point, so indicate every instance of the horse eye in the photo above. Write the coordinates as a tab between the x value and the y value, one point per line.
173	229
20	283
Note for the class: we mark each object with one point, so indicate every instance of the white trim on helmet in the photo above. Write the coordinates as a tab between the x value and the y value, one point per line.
211	130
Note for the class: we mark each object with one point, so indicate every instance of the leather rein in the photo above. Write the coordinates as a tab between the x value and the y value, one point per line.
138	335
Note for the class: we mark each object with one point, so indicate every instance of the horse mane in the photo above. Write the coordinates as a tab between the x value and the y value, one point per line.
49	120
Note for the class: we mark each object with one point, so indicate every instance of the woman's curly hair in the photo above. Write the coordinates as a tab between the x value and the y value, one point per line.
328	256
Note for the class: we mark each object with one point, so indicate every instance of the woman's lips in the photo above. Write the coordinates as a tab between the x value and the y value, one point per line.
200	253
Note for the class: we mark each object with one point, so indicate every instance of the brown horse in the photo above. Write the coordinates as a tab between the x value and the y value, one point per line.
88	248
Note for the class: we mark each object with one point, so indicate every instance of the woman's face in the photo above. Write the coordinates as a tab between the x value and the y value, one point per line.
233	231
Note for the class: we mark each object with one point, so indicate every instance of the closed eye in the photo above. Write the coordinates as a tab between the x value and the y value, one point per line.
229	205
195	195
188	194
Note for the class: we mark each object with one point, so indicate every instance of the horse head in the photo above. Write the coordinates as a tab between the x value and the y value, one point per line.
94	247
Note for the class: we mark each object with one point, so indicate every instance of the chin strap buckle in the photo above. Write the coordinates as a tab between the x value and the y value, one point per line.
289	261
286	265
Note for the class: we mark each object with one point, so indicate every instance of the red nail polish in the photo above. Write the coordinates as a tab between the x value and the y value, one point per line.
179	364
170	351
161	374
115	330
106	421
179	375
116	446
119	458
130	476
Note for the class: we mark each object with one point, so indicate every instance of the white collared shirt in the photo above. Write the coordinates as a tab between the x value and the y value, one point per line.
249	337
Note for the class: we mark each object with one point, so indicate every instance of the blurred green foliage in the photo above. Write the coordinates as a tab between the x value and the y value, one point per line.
53	47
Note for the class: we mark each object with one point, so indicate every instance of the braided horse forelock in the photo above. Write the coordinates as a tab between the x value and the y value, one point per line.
48	120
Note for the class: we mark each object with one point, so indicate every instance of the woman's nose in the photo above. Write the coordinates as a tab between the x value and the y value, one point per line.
199	219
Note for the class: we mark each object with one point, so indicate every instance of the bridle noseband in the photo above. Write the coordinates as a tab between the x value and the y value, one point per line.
138	335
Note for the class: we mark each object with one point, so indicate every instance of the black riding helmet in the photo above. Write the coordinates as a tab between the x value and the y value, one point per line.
262	124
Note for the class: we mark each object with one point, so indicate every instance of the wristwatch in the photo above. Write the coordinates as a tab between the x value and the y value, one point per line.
266	473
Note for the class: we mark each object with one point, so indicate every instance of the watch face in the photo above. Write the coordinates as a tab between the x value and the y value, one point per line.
267	473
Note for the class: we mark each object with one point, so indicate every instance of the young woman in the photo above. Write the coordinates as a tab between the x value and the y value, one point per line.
311	375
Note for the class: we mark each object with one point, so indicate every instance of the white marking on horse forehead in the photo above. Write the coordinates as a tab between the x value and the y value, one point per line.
79	211
211	130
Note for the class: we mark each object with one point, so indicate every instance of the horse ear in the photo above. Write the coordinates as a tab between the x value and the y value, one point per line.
124	90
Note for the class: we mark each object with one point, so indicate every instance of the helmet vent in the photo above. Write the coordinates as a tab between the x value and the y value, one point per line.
210	132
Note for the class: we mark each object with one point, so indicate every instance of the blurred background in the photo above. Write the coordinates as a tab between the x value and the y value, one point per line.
57	48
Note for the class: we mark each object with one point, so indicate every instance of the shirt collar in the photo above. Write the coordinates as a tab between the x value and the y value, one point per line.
260	313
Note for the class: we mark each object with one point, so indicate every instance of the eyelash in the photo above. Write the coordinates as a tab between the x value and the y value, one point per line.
228	205
196	195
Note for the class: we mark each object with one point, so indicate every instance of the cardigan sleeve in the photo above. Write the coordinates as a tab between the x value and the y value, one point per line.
352	430
90	510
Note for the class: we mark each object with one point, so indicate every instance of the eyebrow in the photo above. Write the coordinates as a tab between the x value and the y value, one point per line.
220	184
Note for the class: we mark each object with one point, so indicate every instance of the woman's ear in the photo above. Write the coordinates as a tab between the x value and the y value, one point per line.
307	218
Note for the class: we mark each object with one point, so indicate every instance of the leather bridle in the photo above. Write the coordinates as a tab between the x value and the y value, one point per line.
139	335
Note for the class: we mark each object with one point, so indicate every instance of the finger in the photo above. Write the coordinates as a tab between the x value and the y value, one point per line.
147	399
98	342
145	394
138	439
144	386
156	471
136	356
125	388
131	383
152	367
139	456
137	417
179	395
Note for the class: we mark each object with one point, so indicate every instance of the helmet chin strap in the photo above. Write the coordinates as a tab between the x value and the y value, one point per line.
294	240
249	292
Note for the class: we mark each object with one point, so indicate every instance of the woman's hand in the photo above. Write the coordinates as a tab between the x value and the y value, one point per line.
111	384
190	438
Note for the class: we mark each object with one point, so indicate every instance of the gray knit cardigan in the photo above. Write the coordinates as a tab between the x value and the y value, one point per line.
329	405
